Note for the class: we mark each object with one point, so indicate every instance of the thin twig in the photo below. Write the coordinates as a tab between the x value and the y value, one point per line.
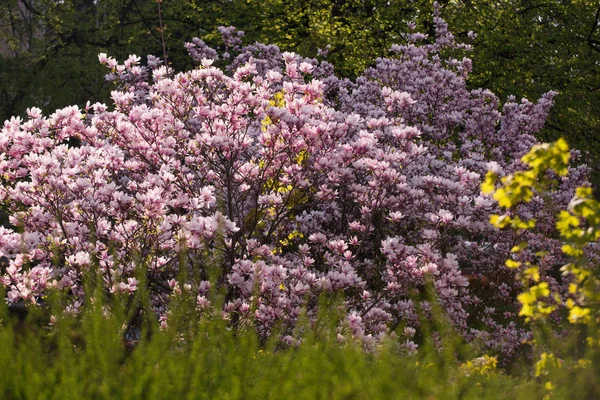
161	29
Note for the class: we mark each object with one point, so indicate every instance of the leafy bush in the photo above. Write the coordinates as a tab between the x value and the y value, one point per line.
84	357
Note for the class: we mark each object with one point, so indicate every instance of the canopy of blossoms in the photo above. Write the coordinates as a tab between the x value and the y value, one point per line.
275	182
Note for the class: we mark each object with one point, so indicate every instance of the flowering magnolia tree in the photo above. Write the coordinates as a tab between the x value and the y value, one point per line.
287	181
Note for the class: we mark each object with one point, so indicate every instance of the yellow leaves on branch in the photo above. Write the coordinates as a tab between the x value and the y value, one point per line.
547	156
579	315
503	221
578	226
489	183
479	366
533	301
519	187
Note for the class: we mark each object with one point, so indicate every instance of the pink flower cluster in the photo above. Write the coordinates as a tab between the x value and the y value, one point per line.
291	186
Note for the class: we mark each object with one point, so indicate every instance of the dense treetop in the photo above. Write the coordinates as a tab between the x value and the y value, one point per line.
264	176
523	48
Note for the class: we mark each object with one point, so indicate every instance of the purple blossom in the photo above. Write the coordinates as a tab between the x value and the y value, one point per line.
297	182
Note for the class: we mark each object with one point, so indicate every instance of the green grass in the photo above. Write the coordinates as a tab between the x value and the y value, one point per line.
86	358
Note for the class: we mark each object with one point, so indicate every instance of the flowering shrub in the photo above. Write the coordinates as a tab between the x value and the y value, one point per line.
276	187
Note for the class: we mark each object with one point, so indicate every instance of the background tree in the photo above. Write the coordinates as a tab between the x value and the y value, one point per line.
527	47
523	47
48	49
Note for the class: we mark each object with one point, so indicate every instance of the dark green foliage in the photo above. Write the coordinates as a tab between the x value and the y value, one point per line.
528	47
524	47
88	357
49	49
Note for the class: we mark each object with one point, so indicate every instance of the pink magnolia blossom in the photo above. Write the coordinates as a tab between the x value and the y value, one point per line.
295	182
